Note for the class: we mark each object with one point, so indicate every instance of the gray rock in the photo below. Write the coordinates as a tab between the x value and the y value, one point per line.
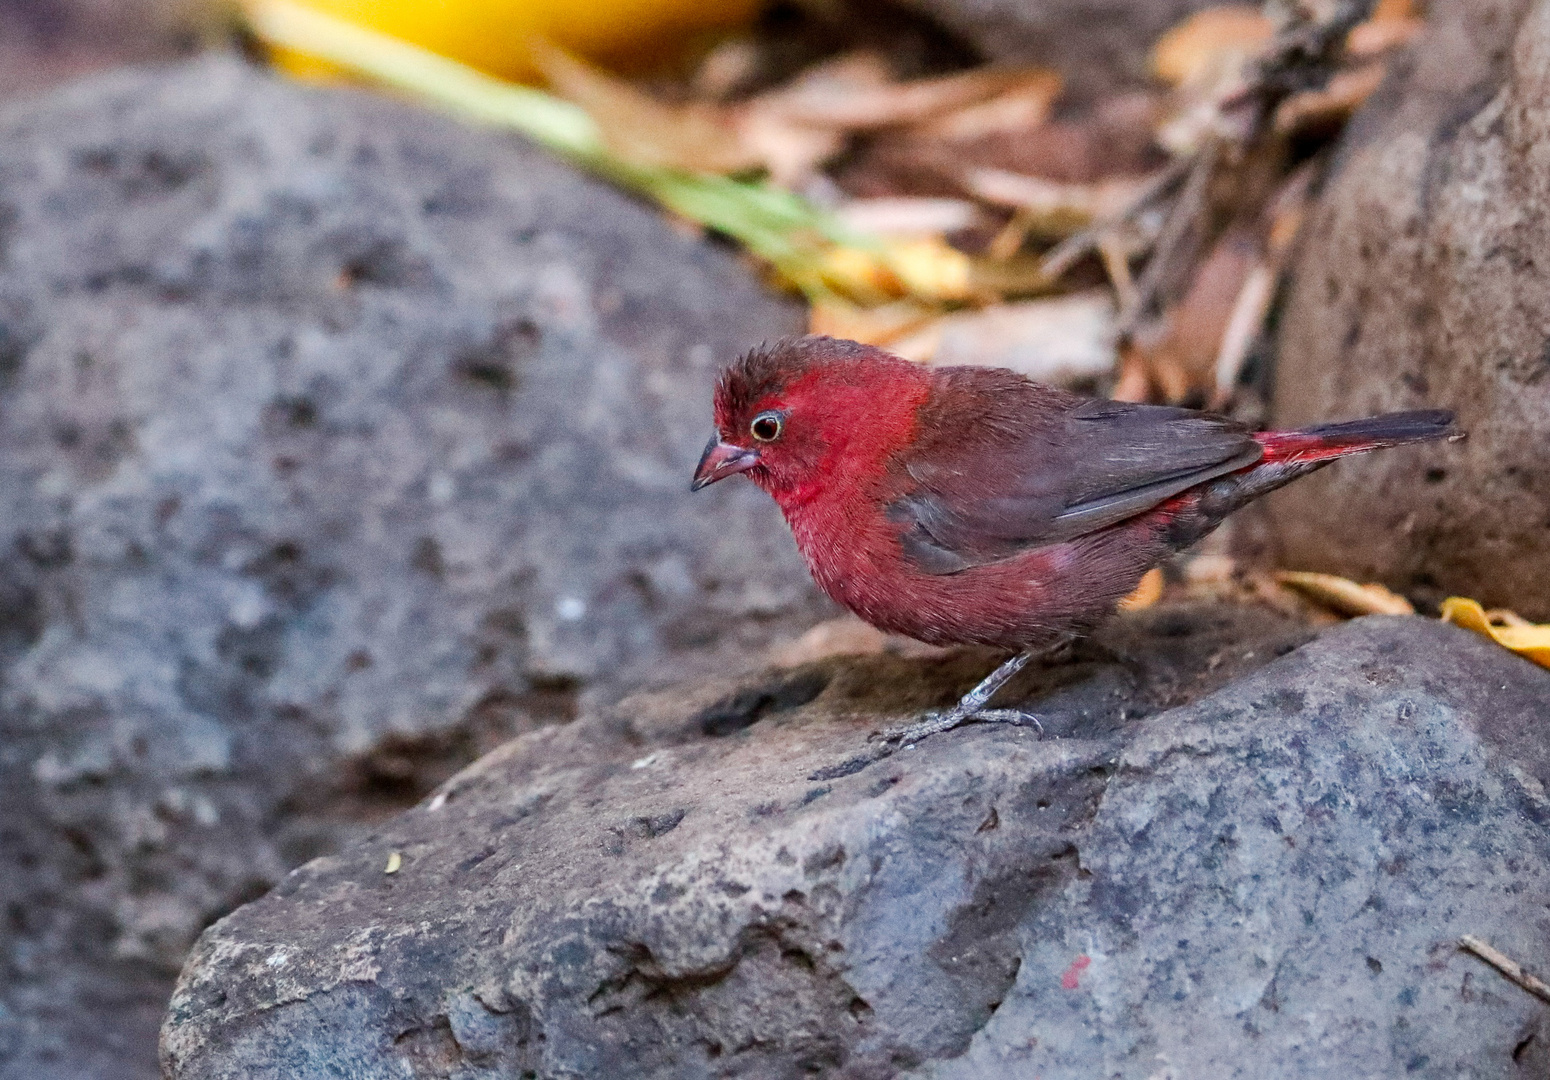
338	444
43	42
1098	45
1276	873
1422	280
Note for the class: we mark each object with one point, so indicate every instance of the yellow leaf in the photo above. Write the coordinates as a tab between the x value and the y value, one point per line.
1530	640
395	860
493	35
932	268
1346	596
1147	593
1210	42
778	226
928	269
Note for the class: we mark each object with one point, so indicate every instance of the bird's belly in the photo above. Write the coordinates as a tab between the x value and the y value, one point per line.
1023	602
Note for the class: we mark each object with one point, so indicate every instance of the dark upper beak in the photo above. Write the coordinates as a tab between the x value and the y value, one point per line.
720	461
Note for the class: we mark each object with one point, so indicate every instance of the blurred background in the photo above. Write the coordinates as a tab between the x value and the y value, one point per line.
930	175
355	354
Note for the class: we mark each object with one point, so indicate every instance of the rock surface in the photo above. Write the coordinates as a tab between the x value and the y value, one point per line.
1096	44
715	883
1422	281
43	42
338	443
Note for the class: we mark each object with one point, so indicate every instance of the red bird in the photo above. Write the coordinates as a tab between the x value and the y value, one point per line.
961	505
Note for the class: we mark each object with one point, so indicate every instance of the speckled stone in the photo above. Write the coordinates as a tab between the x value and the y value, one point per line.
338	443
1268	877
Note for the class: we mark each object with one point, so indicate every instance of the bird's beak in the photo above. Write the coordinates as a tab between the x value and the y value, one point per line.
720	461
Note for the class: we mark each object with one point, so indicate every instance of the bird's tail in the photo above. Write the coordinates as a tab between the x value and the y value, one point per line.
1329	441
1291	454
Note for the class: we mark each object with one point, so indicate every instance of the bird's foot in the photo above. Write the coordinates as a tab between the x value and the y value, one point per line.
937	722
1015	717
972	707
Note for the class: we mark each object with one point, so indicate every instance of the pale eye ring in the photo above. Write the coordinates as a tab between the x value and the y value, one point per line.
767	426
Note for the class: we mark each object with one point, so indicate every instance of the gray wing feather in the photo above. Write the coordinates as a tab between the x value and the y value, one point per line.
1089	467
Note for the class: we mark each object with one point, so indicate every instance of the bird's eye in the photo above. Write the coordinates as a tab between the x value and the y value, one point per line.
767	426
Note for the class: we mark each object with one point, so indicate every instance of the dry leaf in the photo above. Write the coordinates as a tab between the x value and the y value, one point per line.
1243	328
931	268
1207	58
1530	640
1134	382
1209	570
1114	141
1503	617
847	95
847	636
993	279
1064	340
795	128
1332	105
728	66
823	87
641	129
1022	106
1393	23
772	125
1380	35
790	152
1049	208
869	325
1182	354
1147	593
1253	586
906	216
1346	596
927	268
1210	43
844	636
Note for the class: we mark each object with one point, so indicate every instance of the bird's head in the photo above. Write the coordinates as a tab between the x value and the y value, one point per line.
804	410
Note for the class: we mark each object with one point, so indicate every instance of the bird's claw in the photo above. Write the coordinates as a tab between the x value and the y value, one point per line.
1015	717
937	722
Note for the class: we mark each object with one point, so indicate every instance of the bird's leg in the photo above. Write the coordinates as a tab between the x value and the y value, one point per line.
972	706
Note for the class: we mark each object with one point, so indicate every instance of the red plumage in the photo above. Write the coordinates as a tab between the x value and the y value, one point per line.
972	505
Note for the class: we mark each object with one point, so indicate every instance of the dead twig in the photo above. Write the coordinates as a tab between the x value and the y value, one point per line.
1243	328
1302	56
1065	254
1305	52
1186	212
1511	970
1116	263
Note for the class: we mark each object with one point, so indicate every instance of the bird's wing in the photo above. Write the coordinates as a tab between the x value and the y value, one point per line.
1004	465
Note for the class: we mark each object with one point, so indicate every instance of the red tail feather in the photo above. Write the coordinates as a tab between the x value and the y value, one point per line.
1329	441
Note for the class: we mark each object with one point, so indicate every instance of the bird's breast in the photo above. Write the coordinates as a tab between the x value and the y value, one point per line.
856	556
